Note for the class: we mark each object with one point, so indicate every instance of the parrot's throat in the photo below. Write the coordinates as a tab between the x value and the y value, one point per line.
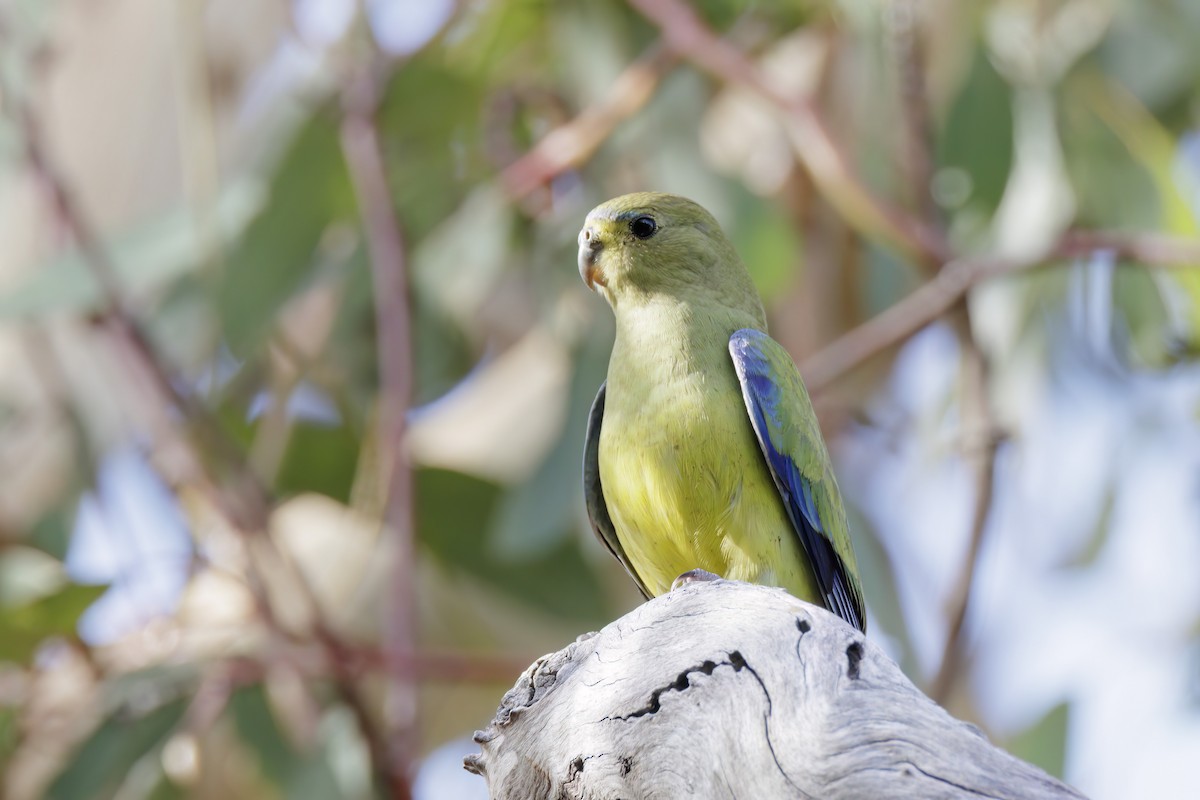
666	339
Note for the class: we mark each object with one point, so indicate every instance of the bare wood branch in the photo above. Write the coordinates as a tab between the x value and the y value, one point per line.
725	689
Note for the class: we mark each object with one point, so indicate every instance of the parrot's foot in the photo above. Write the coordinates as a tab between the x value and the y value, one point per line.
693	576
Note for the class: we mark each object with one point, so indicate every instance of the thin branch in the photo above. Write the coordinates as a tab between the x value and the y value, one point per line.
982	442
685	33
574	142
936	297
385	241
900	321
1147	249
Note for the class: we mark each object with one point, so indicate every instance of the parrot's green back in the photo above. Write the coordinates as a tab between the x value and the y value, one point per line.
707	453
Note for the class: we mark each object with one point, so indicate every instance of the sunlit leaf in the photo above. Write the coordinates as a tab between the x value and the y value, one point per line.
27	574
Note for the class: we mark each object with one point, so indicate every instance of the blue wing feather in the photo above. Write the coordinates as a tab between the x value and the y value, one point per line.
763	396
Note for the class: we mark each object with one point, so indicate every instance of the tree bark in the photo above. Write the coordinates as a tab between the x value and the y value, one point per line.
725	689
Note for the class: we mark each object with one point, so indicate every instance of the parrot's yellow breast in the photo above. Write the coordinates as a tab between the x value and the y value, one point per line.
687	487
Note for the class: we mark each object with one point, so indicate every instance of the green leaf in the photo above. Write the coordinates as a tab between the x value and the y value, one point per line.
1045	744
10	734
309	191
538	515
454	514
433	139
98	768
24	627
977	136
770	245
319	458
298	775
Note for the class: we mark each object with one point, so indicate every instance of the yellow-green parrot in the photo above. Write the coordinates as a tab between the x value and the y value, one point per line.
703	450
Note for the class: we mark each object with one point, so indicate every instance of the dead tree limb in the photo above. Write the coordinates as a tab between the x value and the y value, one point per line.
725	689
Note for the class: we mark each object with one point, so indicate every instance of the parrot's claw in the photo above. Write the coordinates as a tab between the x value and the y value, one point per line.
693	576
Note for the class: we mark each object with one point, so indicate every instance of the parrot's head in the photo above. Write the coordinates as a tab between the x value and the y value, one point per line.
649	243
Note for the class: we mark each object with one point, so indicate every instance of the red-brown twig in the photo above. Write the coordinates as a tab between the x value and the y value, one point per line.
940	294
981	442
389	268
685	33
574	142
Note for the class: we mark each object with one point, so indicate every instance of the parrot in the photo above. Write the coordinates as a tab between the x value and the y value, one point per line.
703	451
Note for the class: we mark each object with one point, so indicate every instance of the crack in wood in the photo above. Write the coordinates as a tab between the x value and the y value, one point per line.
683	681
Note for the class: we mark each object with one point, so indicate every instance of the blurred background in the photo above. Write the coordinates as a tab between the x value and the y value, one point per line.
248	249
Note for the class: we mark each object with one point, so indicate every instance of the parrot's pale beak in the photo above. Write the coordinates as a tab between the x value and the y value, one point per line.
589	252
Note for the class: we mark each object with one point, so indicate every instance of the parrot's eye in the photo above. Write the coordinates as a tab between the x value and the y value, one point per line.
643	227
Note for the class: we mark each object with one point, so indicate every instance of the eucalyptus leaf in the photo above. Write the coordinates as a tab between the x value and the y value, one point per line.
309	191
97	770
299	775
24	627
977	136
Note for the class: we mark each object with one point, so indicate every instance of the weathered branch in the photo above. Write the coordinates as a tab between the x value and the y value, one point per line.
726	689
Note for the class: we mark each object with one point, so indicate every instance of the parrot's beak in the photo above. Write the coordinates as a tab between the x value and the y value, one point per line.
589	253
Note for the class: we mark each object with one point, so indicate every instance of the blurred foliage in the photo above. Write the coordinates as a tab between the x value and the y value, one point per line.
228	209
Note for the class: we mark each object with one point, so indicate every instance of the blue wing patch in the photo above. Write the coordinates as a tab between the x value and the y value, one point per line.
763	396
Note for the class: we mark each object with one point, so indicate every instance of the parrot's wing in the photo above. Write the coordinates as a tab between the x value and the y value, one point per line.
593	492
786	427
